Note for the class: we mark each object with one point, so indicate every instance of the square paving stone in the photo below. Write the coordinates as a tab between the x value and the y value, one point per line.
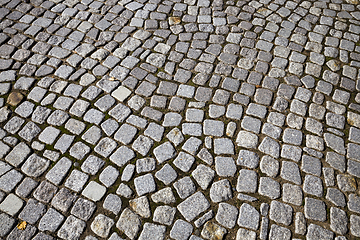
45	191
269	188
313	185
35	166
26	234
92	135
185	187
49	135
51	220
184	161
72	228
315	209
142	145
245	234
11	204
166	174
225	166
213	128
292	194
63	200
32	211
152	231
79	150
164	215
94	191
227	215
315	232
113	203
7	224
249	217
101	225
281	213
277	232
83	209
105	147
26	187
247	181
164	152
122	155
193	206
181	230
108	176
76	180
92	165
129	223
9	180
221	191
223	146
144	184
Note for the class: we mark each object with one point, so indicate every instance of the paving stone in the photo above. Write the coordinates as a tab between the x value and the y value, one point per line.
122	155
76	180
353	203
184	161
94	191
290	172
248	159
271	147
9	180
269	187
213	128
32	212
220	191
129	223
164	152
181	230
72	228
164	195
83	209
144	184
26	187
225	166
277	232
35	166
193	206
63	200
184	187
206	33
247	181
11	204
346	183
213	230
316	232
142	145
166	174
101	225
164	215
249	217
7	225
281	213
315	209
269	166
51	221
203	175
152	231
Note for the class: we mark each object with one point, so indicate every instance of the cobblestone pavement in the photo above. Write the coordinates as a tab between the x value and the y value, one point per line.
180	119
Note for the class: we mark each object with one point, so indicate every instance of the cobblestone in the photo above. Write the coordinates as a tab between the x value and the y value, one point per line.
185	104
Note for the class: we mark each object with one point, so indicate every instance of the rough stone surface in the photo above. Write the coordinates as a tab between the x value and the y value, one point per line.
120	118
